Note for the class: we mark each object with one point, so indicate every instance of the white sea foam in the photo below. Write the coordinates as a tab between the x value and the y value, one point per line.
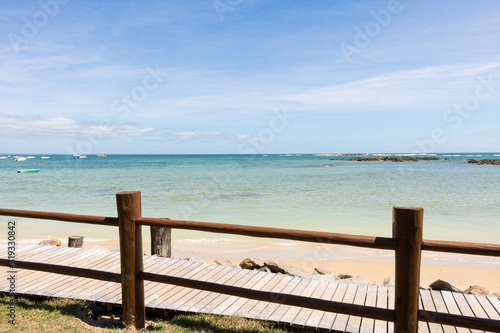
206	240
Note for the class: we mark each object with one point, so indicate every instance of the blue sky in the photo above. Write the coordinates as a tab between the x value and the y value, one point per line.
249	76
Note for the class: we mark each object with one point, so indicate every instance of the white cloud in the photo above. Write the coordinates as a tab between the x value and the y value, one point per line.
409	89
205	135
65	127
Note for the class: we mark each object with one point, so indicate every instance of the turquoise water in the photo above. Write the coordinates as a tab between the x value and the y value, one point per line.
461	201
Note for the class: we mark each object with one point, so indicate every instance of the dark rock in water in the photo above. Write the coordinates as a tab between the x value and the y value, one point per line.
389	158
477	290
485	161
51	242
321	271
251	263
444	285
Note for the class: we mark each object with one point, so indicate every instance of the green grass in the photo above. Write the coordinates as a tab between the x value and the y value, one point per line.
73	316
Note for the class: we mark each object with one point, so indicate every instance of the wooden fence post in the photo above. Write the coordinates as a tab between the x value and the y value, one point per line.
407	229
161	241
129	208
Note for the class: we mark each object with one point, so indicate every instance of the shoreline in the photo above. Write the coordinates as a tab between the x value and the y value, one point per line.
460	270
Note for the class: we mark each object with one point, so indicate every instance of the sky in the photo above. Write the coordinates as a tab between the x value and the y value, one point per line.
249	76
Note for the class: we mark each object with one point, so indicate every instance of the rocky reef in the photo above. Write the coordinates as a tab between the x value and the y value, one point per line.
485	161
389	158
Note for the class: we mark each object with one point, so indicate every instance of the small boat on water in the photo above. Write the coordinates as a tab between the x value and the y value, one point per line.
20	158
28	171
30	157
79	156
3	157
101	156
44	158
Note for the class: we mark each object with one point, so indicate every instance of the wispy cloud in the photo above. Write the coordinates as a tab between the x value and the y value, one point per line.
406	89
66	127
204	135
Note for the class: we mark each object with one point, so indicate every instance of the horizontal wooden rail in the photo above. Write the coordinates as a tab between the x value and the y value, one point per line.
253	231
101	220
65	270
287	299
490	325
482	249
265	232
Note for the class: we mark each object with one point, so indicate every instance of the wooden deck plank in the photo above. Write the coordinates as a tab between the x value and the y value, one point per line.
114	295
453	308
495	302
178	298
428	302
423	326
341	320
231	304
183	269
245	309
41	255
102	261
390	305
215	276
382	302
354	322
36	284
464	307
225	300
488	308
291	315
317	315
273	306
205	271
169	290
441	307
80	288
475	306
328	318
204	297
151	288
263	306
367	324
282	309
66	258
303	316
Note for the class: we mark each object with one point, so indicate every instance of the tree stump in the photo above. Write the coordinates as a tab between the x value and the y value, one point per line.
161	241
75	241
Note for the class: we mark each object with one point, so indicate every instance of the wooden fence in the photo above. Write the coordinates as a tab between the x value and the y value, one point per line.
406	241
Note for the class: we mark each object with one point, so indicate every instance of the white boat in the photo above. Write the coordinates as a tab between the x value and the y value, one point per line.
20	158
30	157
79	156
28	171
3	157
44	158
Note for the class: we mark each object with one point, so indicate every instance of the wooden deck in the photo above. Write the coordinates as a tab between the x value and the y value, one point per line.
170	297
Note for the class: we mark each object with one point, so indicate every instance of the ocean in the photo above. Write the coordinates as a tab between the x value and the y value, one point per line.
461	201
